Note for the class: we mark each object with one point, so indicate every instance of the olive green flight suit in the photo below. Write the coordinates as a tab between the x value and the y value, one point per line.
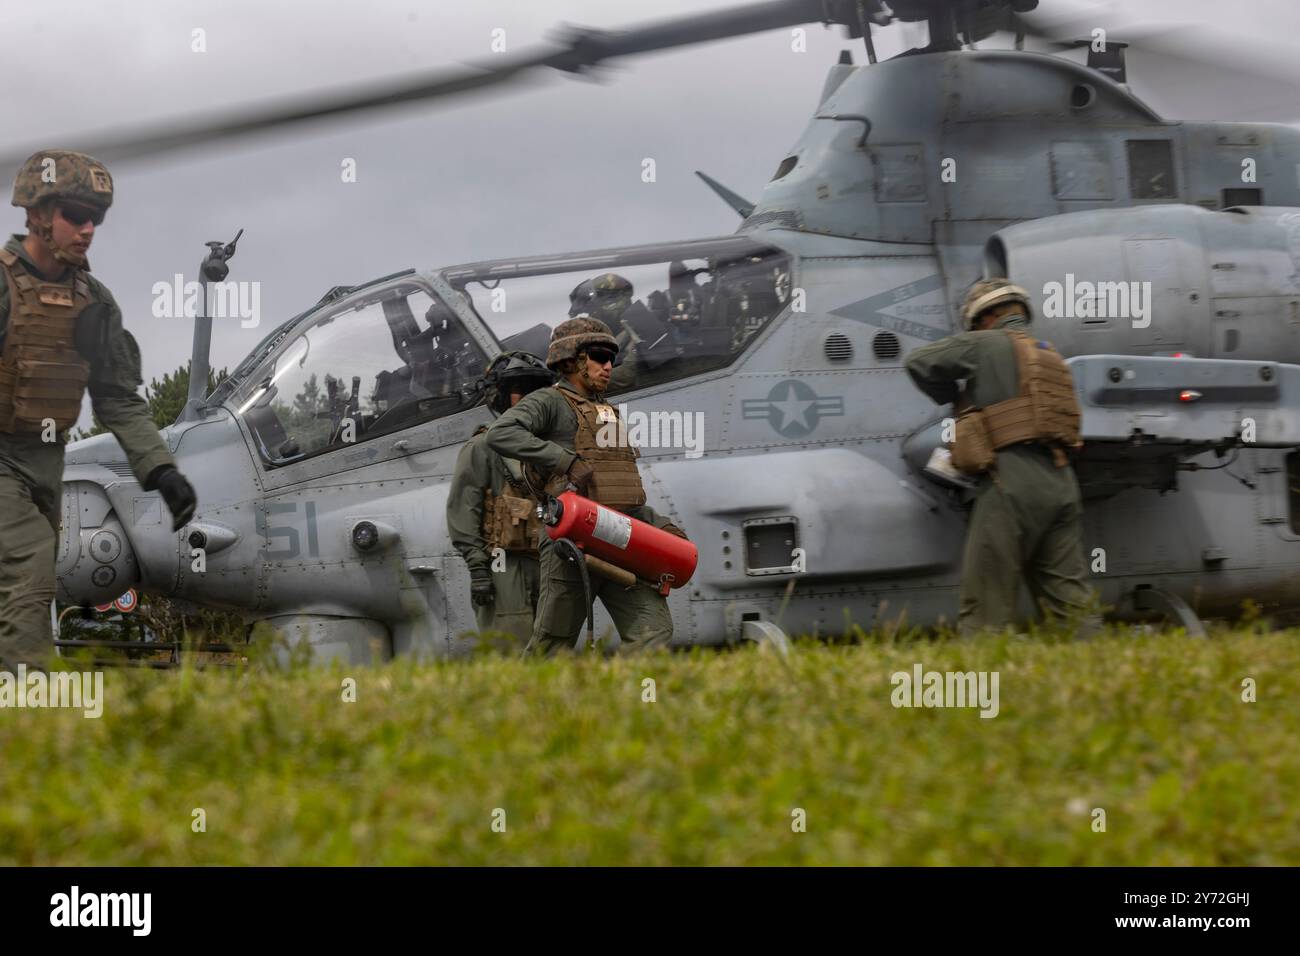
540	431
516	587
1027	519
31	479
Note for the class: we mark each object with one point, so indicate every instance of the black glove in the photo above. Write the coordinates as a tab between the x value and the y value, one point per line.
176	491
674	530
480	587
580	474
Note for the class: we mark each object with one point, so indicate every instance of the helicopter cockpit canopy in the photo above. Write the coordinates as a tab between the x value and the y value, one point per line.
695	306
372	365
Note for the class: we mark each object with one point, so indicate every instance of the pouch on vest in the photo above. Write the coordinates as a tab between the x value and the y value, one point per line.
510	522
46	390
972	450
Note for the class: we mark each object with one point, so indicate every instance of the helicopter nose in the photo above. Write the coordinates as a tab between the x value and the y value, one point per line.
96	563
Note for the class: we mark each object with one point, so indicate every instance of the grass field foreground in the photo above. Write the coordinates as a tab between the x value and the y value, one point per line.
498	761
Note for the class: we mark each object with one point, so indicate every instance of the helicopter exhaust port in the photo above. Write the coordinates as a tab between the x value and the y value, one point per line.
1082	96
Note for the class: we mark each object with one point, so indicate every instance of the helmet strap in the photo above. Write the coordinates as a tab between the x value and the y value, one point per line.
44	231
588	382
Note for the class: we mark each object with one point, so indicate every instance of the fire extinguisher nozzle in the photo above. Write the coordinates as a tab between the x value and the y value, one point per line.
550	510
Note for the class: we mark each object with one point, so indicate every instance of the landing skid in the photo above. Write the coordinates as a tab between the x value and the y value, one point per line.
1157	599
765	632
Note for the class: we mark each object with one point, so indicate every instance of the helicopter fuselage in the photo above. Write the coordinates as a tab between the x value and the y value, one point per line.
1144	243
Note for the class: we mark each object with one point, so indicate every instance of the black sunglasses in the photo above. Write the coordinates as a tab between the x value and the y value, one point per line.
601	356
79	215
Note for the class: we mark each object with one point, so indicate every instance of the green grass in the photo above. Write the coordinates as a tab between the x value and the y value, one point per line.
1153	730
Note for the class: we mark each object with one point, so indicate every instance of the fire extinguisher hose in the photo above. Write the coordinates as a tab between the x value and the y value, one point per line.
567	547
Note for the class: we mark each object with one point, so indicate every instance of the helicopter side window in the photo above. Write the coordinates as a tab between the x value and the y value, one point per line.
706	316
374	367
682	317
1151	169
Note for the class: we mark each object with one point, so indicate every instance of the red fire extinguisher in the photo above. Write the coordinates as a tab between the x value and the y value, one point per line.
651	554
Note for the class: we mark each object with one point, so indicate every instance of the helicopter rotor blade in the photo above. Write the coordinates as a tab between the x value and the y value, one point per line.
1204	46
247	119
1183	52
576	49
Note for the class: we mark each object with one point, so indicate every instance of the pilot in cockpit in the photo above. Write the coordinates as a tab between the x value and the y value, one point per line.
451	355
437	361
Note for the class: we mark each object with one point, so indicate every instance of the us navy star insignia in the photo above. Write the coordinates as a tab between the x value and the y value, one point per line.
792	408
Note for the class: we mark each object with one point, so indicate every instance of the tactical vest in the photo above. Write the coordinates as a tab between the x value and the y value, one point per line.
510	520
1046	411
616	482
42	375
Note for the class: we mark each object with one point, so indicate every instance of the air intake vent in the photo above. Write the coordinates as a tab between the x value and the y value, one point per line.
119	468
886	346
787	164
838	347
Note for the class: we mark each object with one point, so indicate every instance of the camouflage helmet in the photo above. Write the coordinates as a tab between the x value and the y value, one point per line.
988	293
63	174
576	335
603	297
513	372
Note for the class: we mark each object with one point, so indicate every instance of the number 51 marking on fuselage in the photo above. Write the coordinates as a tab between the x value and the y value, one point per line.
292	546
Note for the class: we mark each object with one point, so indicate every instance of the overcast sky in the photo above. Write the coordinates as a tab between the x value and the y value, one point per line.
550	166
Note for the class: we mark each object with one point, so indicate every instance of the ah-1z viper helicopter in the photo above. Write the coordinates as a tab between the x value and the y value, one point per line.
810	502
